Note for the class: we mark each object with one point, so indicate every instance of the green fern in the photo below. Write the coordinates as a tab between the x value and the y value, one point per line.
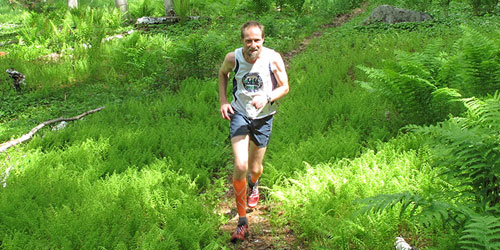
417	64
410	87
446	101
379	203
484	113
482	232
469	149
426	87
428	210
479	60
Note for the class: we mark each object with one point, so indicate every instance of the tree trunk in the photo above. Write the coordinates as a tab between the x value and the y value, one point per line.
72	4
169	7
122	5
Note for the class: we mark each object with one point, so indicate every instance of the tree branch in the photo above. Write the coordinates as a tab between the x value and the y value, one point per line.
25	137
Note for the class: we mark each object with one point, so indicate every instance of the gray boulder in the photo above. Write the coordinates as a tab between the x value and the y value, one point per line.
391	14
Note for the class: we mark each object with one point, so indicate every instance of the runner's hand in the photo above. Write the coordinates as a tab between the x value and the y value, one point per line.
259	101
225	109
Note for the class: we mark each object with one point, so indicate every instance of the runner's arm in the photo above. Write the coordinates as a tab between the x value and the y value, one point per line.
225	69
281	77
278	68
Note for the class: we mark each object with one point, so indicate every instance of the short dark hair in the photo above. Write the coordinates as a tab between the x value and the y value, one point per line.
251	24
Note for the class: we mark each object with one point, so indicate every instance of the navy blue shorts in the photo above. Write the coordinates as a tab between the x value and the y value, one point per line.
259	130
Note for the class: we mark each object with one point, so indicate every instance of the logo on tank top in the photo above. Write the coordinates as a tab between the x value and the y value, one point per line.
252	82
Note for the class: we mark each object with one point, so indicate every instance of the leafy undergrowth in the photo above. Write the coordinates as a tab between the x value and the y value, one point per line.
120	178
148	171
332	147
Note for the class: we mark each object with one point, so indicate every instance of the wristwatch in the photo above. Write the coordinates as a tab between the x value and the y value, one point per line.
268	98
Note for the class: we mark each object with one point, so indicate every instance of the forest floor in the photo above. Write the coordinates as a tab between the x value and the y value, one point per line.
262	234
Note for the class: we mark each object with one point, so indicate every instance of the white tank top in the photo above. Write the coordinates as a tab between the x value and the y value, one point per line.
251	80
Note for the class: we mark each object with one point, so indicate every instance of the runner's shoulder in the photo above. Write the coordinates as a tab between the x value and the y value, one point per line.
230	57
229	60
273	54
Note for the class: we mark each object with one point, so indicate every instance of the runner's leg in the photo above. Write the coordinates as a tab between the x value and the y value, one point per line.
256	155
240	149
255	158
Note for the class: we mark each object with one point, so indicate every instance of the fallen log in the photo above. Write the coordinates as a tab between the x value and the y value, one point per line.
9	42
25	137
162	20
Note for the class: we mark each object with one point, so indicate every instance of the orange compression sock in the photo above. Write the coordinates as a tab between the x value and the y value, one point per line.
255	178
240	191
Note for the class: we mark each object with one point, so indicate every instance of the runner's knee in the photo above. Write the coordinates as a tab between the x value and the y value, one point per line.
240	168
256	169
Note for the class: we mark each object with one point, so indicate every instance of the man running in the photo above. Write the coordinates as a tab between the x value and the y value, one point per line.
260	79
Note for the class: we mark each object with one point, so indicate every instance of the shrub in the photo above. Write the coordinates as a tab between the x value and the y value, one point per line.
143	8
466	153
260	6
198	55
320	201
483	6
426	86
478	61
66	203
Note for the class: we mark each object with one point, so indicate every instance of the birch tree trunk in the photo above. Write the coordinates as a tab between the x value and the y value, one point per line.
122	5
72	4
169	7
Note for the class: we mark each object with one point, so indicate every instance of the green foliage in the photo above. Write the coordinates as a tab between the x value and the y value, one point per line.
330	7
429	211
409	87
467	152
10	14
426	87
260	6
479	63
143	8
319	201
197	55
69	204
469	149
341	118
295	5
182	8
63	29
137	57
34	5
420	5
483	6
139	169
136	185
322	200
482	232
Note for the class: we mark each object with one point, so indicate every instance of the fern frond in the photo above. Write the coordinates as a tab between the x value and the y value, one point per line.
484	113
413	64
366	85
436	211
382	202
446	101
482	232
379	203
479	62
428	210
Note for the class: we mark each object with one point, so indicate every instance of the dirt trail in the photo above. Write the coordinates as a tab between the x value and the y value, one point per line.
262	234
339	20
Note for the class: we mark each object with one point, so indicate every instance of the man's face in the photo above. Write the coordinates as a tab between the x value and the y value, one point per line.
252	42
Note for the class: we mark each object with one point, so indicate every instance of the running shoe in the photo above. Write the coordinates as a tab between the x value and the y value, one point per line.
253	197
240	233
